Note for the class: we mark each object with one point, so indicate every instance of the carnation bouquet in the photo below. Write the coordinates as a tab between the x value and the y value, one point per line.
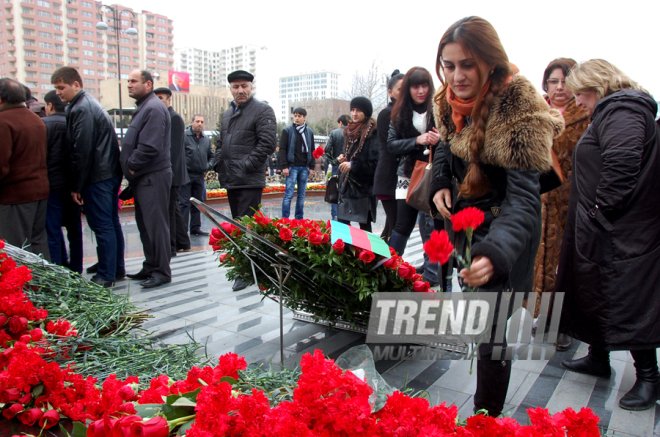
333	282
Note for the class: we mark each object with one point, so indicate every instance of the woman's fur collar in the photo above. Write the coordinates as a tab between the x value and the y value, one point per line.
519	131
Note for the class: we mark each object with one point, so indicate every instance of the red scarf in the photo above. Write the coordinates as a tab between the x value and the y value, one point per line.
462	108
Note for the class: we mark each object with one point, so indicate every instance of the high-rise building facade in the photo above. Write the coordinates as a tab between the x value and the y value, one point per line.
39	36
307	86
210	68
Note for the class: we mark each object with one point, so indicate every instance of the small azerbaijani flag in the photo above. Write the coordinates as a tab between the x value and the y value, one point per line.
358	238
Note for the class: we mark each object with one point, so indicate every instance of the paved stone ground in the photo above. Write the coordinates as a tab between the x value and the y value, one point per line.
200	303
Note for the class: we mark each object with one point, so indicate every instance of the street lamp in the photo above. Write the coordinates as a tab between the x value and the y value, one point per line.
132	32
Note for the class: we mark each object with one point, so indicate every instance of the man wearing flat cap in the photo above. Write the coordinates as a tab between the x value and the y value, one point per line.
247	139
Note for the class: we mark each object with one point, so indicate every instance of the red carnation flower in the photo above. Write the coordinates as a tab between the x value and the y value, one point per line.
127	408
286	234
339	247
36	334
366	256
468	218
261	219
318	152
49	419
421	287
438	247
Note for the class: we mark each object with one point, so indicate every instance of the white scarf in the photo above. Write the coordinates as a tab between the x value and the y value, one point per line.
301	131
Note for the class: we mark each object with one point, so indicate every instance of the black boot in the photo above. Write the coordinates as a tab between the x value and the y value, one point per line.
492	384
646	390
398	242
596	363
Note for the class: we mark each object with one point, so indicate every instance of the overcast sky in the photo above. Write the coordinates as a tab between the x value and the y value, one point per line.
303	36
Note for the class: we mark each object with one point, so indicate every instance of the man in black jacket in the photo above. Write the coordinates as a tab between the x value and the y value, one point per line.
199	160
179	239
247	138
145	160
95	171
61	210
334	148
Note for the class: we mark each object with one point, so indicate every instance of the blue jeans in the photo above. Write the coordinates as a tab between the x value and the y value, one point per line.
333	207
63	211
297	175
102	211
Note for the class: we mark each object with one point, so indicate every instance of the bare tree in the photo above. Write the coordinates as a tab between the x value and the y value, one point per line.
371	84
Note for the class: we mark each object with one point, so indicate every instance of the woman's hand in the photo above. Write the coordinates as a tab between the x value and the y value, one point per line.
345	167
341	158
480	272
430	138
442	201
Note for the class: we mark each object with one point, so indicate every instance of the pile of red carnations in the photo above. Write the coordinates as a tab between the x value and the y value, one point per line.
212	401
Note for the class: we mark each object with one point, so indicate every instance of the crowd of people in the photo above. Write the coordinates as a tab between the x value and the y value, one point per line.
565	181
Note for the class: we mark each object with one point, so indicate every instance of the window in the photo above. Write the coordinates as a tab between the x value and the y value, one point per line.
136	51
58	17
86	4
163	37
162	55
161	28
88	43
88	53
88	62
29	42
31	84
99	63
28	32
46	86
136	60
59	58
151	53
112	74
162	63
161	20
87	14
87	24
45	34
27	21
125	49
45	65
71	10
73	60
123	76
99	45
149	35
125	58
160	45
30	53
46	55
125	40
43	3
125	67
72	31
89	81
99	54
26	10
72	20
43	14
86	71
87	33
43	75
45	45
57	27
112	65
73	50
58	47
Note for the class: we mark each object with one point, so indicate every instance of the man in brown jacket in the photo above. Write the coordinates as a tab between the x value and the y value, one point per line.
23	172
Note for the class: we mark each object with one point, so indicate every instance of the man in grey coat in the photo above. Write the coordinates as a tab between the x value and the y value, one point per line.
247	139
145	160
199	160
179	239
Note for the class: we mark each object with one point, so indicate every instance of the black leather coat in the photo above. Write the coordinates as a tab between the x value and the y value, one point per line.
93	145
59	173
199	157
385	178
335	145
247	139
177	150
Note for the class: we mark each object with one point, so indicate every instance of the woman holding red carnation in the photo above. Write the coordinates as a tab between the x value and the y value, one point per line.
411	137
497	132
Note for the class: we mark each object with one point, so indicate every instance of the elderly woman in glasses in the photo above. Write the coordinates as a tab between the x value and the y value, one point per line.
555	202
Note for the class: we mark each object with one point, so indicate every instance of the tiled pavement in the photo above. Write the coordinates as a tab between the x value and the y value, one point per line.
200	303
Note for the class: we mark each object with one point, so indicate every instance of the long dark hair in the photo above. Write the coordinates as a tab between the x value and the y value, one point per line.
479	39
403	108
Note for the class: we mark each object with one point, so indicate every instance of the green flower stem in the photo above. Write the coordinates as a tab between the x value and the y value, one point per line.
180	420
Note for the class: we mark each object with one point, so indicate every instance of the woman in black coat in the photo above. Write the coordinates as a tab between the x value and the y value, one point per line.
496	133
357	202
385	178
608	267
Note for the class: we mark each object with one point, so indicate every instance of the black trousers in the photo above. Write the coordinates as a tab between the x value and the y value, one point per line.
244	201
191	215
25	223
389	206
364	226
406	218
152	196
179	238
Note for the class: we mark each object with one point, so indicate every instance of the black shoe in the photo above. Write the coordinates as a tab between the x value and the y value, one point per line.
239	284
93	268
173	254
589	366
563	343
102	282
140	276
199	232
646	391
419	270
120	275
154	282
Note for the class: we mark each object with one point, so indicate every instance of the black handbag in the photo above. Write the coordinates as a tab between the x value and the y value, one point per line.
126	193
332	190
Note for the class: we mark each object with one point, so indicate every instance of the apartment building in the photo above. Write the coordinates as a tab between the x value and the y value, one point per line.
210	68
307	86
39	36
